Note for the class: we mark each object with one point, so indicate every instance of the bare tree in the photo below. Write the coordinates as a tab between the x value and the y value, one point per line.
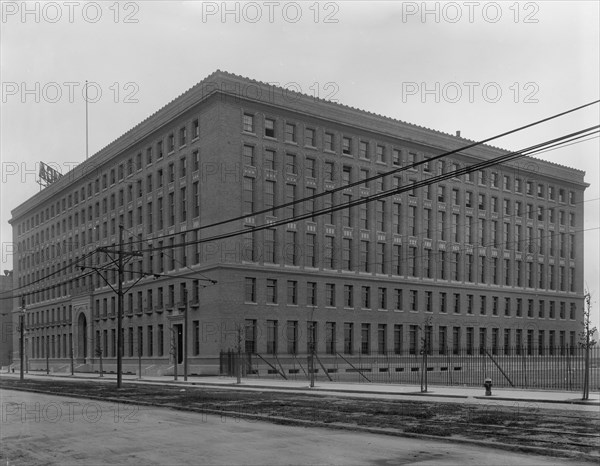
586	339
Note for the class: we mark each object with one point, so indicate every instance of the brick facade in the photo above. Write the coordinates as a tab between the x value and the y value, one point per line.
502	248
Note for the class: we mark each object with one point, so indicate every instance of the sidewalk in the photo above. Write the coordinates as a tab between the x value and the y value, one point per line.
545	398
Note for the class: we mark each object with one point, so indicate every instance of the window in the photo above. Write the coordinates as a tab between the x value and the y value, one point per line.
330	294
269	159
481	201
292	292
310	137
248	155
380	215
269	128
363	220
291	256
292	336
250	336
290	132
481	178
310	168
348	337
290	164
269	252
348	296
311	336
364	174
380	153
271	291
346	146
441	194
311	293
182	136
366	297
381	262
413	300
363	150
310	250
412	339
272	337
346	175
412	159
365	344
328	143
382	298
494	180
456	303
455	198
347	253
248	195
455	233
248	122
171	142
328	171
518	185
330	338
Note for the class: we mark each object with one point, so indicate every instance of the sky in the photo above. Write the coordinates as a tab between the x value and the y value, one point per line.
479	67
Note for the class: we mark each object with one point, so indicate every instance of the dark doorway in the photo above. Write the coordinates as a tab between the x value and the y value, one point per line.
178	328
82	327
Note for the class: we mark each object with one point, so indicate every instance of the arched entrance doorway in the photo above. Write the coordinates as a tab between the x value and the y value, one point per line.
82	334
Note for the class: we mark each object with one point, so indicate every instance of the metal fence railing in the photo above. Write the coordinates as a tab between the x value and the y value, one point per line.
558	368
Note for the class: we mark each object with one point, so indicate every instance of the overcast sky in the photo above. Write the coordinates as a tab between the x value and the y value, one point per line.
524	61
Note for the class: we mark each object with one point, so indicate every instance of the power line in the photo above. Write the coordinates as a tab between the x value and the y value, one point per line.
379	175
377	196
433	180
557	142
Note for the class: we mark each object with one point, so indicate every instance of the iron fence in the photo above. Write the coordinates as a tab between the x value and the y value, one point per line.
557	368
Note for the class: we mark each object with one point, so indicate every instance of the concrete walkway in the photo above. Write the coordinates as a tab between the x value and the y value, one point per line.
541	398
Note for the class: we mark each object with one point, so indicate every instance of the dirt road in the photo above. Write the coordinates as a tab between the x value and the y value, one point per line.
42	429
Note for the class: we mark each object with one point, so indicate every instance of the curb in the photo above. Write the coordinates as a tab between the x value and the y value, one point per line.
317	391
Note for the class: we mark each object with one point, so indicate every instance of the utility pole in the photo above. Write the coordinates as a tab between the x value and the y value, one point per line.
139	352
185	335
120	310
175	354
47	350
587	341
239	354
425	351
22	339
120	253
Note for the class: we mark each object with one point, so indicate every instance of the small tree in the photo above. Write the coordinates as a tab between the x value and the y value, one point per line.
587	341
98	352
425	346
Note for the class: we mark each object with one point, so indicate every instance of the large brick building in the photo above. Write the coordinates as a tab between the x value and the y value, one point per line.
494	257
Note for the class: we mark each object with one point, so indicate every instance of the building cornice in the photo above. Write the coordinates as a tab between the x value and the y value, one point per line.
257	92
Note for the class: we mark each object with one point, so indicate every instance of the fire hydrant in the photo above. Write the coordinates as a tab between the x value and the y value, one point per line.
488	386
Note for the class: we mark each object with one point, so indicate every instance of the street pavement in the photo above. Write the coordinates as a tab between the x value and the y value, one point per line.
39	429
